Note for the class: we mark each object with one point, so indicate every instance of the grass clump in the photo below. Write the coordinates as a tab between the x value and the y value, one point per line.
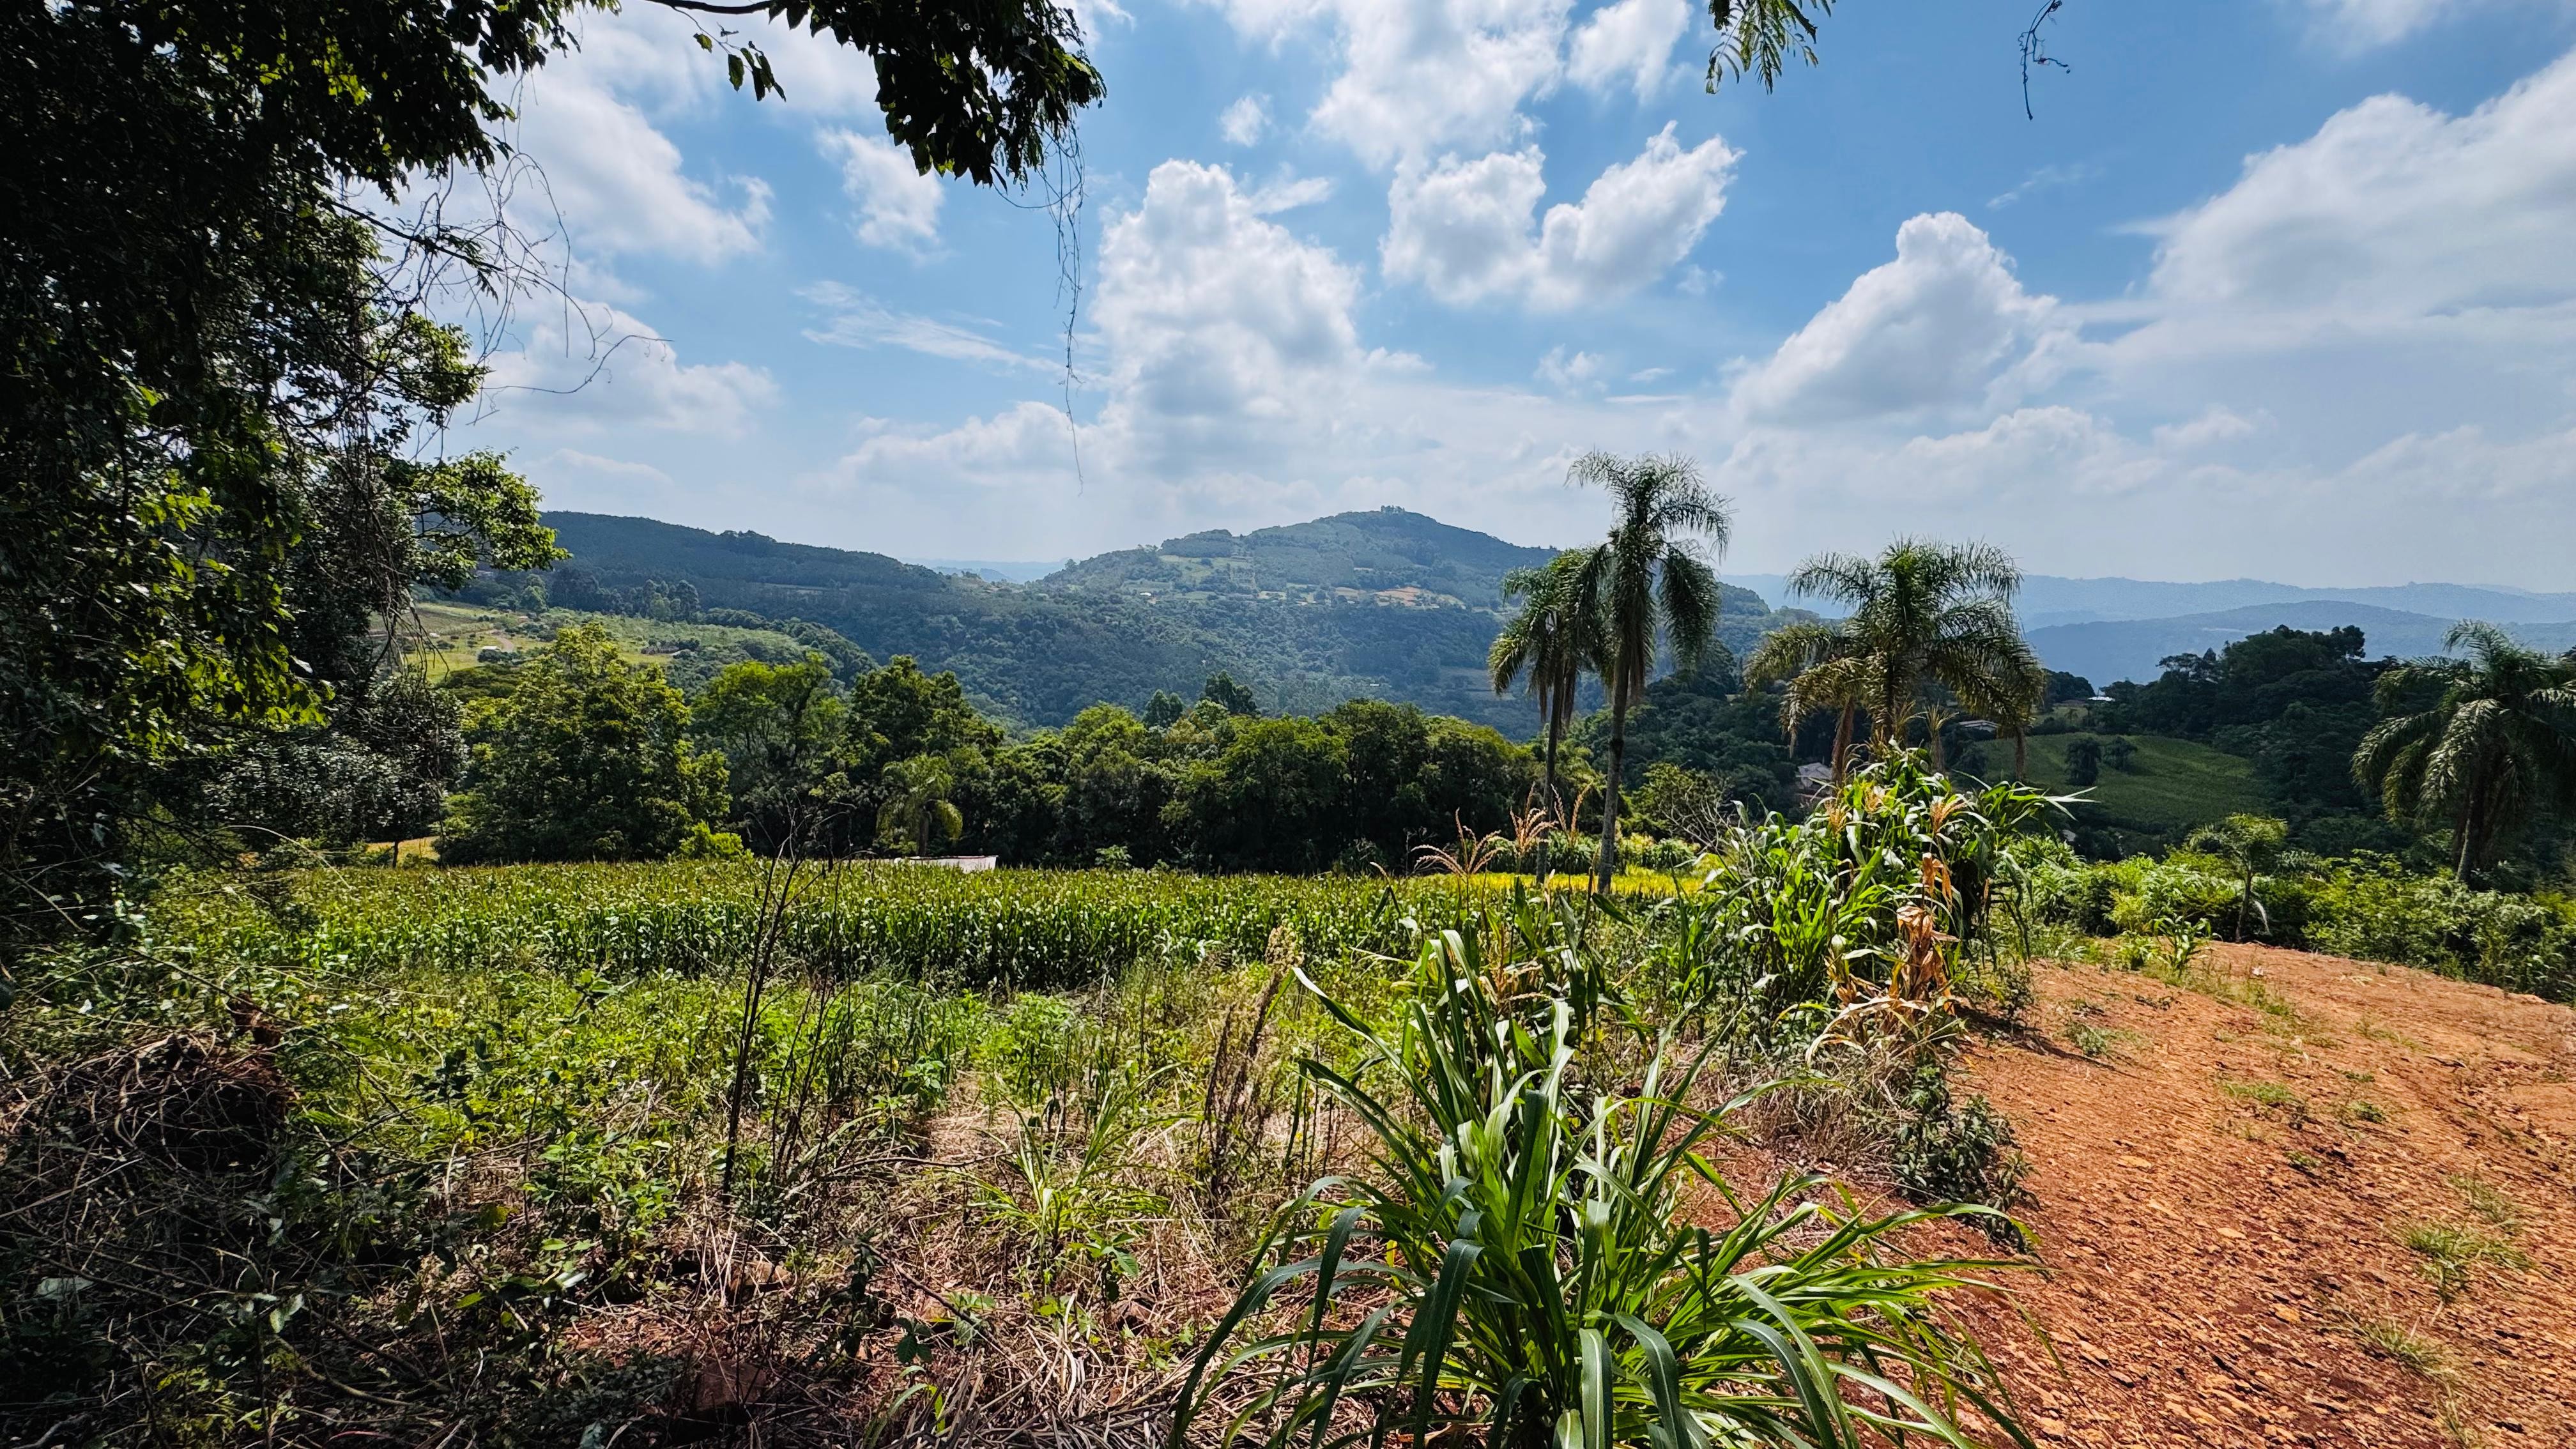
2391	1340
2488	1202
2450	1253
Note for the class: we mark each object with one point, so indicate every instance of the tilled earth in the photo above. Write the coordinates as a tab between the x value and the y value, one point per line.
2225	1181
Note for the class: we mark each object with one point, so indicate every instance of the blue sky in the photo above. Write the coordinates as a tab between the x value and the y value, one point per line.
2280	289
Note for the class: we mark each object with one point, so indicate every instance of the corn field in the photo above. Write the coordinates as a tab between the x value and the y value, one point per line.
1021	930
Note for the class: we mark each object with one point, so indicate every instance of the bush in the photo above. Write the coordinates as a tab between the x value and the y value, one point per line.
1527	1268
1646	853
2374	908
2371	907
1948	1151
2067	892
2202	891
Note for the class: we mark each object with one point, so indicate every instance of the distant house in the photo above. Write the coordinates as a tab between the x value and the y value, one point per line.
1814	780
1978	729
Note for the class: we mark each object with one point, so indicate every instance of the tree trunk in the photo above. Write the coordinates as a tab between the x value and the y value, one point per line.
1608	862
2245	905
1842	745
2468	838
1932	736
2471	834
1555	799
2021	757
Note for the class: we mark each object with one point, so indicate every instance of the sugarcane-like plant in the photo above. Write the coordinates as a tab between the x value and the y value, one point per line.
1514	1266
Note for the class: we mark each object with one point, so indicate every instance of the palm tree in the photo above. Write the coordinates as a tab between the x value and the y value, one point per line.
1823	672
1644	588
1926	614
919	808
2501	737
2250	843
1549	641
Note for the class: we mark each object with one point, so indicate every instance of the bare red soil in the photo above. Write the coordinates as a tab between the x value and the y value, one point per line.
2221	1193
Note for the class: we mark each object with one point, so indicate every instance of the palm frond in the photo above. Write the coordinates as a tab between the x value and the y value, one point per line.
1842	577
1759	38
1690	606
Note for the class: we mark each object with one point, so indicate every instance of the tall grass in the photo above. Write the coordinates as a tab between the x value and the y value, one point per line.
1515	1263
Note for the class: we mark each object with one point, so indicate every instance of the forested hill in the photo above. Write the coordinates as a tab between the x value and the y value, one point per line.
1391	553
1388	605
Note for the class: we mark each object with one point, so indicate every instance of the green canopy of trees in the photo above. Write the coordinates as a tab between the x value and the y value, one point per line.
902	761
1929	627
586	758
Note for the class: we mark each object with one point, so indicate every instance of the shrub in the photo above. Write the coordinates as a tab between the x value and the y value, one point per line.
2072	894
2374	908
2205	892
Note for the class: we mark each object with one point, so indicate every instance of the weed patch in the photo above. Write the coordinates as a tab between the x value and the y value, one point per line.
2268	1096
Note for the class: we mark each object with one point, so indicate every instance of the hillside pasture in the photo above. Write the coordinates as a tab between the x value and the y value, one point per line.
2169	788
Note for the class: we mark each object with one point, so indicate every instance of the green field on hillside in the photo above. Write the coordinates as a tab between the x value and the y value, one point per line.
449	637
2169	787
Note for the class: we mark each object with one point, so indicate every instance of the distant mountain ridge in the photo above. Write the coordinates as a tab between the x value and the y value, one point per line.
2048	599
1384	604
2113	649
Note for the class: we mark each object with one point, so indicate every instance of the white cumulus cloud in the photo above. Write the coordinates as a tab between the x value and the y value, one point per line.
2394	207
898	204
1421	75
1945	325
1628	43
617	182
594	370
1467	230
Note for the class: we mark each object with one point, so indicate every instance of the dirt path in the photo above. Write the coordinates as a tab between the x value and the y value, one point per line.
2221	1192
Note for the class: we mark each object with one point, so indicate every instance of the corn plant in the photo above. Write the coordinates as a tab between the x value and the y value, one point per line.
1514	1265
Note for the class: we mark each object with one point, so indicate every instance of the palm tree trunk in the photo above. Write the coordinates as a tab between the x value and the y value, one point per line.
1555	799
1842	745
2021	755
1608	862
2468	838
